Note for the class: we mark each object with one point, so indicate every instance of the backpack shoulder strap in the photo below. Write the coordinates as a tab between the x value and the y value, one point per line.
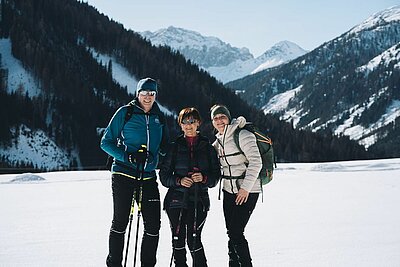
236	139
128	115
129	112
236	134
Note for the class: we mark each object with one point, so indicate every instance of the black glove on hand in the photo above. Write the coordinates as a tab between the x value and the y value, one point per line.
138	157
141	154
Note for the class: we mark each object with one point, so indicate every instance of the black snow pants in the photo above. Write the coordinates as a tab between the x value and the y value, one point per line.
182	228
236	219
123	189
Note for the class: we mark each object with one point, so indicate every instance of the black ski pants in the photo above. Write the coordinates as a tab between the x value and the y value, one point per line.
182	228
236	219
123	189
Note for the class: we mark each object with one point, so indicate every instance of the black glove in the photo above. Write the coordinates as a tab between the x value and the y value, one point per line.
138	157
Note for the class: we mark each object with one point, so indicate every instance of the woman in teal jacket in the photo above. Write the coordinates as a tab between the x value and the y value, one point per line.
134	137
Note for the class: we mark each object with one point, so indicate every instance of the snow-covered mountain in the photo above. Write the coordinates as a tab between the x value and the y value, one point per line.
38	148
30	148
60	85
204	51
349	85
18	78
278	54
35	149
221	60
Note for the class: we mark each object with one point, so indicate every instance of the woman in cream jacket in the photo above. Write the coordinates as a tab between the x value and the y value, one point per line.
240	185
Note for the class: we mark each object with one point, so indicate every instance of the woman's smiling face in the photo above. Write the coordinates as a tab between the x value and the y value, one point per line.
219	122
189	126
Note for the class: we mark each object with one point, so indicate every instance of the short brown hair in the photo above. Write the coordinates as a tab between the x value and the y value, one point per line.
187	113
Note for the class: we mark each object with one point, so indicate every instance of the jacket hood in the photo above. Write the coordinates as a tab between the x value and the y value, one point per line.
239	122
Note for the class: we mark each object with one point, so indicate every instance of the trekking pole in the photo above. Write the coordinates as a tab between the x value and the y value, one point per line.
130	227
175	237
178	228
196	192
143	150
137	223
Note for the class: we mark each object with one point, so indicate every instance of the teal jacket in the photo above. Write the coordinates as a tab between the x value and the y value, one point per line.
141	129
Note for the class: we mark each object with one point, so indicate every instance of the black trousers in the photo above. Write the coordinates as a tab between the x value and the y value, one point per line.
123	189
182	228
236	219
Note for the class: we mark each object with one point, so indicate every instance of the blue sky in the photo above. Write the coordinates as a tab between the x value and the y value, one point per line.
255	24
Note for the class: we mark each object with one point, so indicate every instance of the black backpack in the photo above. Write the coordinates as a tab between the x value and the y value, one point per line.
128	115
264	144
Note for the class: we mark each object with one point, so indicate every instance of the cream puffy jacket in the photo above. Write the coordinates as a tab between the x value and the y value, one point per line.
238	164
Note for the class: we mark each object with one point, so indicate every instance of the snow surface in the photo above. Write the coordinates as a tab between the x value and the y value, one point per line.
313	214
